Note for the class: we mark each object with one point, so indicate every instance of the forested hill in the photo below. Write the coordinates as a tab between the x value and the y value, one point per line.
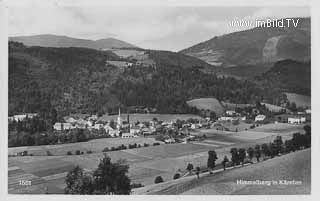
259	45
73	79
78	80
289	76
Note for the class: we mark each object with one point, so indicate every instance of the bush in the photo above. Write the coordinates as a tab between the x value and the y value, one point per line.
49	153
189	167
89	152
78	152
176	176
145	145
156	144
69	153
158	180
134	185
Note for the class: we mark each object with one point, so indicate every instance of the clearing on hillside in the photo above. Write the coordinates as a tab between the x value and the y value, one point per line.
300	100
211	104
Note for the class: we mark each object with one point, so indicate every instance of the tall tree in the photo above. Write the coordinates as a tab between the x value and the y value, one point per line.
212	157
111	178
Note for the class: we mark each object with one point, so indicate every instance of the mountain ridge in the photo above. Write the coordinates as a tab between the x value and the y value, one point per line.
51	40
259	45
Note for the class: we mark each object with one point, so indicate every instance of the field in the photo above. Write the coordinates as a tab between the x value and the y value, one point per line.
125	53
211	104
300	100
145	163
96	145
232	106
273	108
241	126
149	117
294	166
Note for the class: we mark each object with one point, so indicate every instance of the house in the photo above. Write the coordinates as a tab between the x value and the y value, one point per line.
120	64
21	117
169	141
296	120
128	135
225	118
93	118
230	112
98	126
70	120
260	117
112	132
135	130
308	111
62	126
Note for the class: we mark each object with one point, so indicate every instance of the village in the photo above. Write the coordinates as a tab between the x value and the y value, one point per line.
175	130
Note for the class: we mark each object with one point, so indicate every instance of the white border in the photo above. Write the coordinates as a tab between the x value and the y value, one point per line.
315	44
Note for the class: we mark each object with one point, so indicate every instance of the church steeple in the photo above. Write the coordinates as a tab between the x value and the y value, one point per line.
119	122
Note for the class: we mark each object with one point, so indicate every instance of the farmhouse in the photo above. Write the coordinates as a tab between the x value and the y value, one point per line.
260	117
169	141
296	120
21	117
98	126
135	130
128	135
226	118
230	112
119	64
70	120
62	126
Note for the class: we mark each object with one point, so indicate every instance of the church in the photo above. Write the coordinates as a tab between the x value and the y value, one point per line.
124	127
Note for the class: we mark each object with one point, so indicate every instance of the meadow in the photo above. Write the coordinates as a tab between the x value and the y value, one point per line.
148	162
300	100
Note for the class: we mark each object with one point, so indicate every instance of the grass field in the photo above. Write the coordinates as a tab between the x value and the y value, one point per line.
273	108
149	117
126	53
211	104
96	145
294	166
300	100
145	163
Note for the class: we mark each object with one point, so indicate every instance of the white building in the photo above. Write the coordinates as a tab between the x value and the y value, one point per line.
128	135
70	120
230	112
98	126
308	111
62	126
260	117
296	120
135	130
21	117
225	118
169	141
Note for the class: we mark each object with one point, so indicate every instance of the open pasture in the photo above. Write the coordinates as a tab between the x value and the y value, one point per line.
148	162
211	104
300	100
96	145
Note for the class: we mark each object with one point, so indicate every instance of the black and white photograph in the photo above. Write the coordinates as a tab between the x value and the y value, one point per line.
109	98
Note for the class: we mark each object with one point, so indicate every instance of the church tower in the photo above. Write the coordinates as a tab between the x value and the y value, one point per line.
119	122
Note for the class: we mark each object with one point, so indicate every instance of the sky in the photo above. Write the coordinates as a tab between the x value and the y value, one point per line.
152	27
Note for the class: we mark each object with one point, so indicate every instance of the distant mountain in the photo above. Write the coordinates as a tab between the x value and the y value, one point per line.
64	41
260	45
